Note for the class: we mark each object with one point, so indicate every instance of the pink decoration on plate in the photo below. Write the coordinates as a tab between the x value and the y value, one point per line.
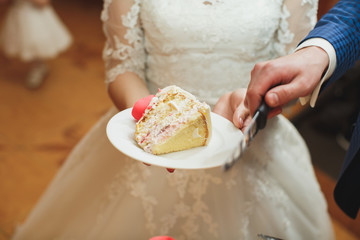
140	107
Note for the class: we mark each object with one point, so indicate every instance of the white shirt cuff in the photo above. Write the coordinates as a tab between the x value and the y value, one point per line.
329	49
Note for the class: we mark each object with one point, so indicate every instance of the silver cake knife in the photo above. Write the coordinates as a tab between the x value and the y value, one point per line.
267	237
257	122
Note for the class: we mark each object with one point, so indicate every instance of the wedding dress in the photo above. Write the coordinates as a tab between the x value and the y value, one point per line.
208	48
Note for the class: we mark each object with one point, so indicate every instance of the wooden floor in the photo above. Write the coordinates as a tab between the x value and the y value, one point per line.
39	128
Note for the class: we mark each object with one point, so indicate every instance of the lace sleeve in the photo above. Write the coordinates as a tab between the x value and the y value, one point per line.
124	48
298	18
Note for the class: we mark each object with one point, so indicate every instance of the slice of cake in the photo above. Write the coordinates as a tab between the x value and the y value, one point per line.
174	120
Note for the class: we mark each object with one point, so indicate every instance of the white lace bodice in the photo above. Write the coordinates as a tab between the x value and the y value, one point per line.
217	42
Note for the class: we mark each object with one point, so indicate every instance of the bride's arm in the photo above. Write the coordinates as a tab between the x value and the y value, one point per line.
124	53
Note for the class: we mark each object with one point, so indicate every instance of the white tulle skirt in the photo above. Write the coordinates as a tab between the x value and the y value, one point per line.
101	194
32	33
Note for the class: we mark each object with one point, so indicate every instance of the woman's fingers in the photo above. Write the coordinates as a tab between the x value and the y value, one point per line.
170	170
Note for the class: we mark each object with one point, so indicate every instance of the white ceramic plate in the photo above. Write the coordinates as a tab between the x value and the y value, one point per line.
225	139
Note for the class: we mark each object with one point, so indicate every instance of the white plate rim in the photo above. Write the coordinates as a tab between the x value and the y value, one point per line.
225	138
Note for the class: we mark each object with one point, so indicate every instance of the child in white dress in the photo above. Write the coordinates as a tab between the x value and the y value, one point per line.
33	32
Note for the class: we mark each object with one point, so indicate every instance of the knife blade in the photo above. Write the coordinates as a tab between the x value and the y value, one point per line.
257	122
267	237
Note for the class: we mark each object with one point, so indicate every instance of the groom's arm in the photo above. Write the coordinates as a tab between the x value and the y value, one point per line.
289	77
341	28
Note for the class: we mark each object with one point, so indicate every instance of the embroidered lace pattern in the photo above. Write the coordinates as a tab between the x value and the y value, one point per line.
123	53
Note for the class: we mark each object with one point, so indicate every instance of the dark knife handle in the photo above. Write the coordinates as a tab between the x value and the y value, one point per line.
263	111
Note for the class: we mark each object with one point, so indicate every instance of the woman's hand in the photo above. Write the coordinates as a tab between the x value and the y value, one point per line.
231	106
170	170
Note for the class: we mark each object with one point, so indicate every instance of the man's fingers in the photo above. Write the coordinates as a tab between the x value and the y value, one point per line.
281	95
264	77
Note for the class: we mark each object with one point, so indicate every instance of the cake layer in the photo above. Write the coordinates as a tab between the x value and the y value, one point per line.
175	120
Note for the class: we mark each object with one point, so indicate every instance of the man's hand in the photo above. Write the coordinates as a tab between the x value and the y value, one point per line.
279	81
284	79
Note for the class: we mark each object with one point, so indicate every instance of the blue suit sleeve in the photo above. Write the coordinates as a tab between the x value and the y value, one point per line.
341	27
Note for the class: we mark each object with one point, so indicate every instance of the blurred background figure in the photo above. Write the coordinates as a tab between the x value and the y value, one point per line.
33	32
